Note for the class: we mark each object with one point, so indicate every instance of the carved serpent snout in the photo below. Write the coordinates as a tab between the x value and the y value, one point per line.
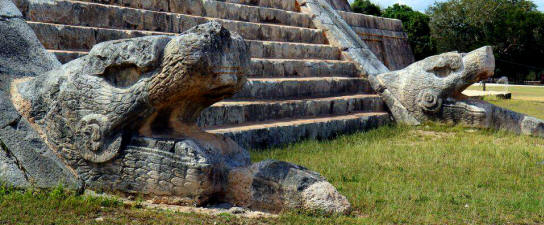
88	105
206	60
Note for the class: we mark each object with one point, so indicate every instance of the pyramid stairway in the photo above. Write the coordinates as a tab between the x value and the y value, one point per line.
298	87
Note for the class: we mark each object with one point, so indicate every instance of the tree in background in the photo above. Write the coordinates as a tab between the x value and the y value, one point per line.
366	7
514	28
416	25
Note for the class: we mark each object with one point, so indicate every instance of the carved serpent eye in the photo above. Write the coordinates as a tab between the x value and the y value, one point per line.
92	141
429	101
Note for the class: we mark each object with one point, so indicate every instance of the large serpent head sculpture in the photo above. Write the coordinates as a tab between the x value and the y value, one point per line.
155	85
431	90
123	118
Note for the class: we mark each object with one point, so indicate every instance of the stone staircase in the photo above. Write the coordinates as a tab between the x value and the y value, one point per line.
299	87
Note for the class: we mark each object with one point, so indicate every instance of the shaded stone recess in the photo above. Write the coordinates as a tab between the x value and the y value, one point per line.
384	36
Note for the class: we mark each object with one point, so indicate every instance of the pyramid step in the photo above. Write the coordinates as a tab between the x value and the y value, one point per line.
281	132
239	112
66	37
288	88
59	37
258	49
290	50
84	10
269	67
289	5
301	68
196	5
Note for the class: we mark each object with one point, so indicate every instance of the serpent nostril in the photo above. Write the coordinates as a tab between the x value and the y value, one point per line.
442	71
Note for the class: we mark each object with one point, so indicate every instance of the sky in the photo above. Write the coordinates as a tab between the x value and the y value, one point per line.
422	5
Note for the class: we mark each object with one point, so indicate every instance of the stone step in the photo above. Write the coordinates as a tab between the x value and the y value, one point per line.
239	112
195	5
269	67
61	37
289	5
301	68
56	9
277	133
258	49
290	50
306	87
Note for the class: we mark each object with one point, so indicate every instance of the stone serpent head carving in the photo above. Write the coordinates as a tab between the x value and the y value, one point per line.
431	90
156	86
422	89
123	119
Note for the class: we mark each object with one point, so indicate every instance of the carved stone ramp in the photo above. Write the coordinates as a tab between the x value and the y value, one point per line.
295	74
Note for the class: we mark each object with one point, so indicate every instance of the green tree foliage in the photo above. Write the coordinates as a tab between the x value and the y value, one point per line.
366	7
514	28
416	25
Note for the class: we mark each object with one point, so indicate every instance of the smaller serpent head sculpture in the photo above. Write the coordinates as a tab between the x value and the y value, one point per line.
431	90
421	90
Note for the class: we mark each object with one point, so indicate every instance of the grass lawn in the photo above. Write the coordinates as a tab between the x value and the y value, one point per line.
432	174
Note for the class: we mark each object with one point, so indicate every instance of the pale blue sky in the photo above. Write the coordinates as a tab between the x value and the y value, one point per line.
422	5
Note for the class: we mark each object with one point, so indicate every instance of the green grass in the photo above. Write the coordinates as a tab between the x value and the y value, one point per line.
432	174
60	206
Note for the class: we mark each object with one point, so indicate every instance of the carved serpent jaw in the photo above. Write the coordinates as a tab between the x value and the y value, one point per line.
431	90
